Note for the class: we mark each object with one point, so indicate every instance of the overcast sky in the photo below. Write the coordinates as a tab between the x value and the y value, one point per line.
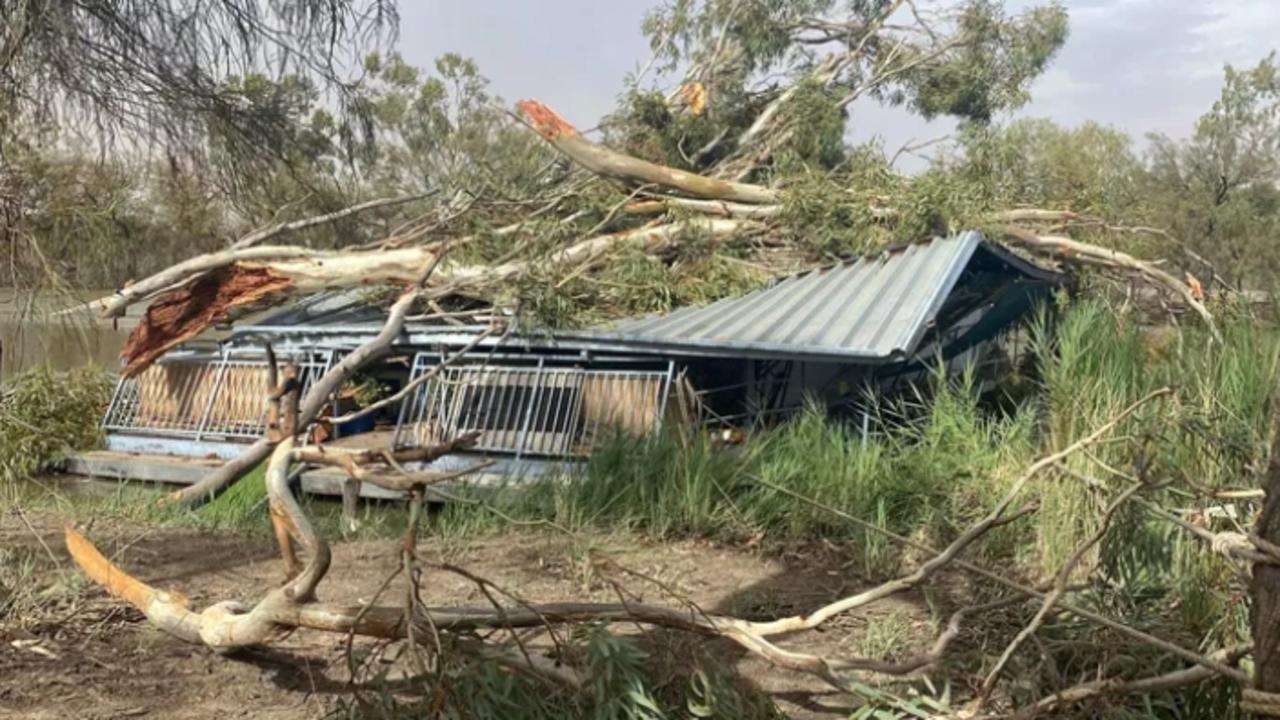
1141	65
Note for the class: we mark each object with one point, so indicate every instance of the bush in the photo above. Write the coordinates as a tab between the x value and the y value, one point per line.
45	414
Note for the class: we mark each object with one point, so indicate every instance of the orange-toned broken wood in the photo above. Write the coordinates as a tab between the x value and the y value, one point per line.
546	121
189	311
167	610
102	571
280	525
695	94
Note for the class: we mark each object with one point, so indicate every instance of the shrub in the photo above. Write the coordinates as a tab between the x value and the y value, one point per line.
44	414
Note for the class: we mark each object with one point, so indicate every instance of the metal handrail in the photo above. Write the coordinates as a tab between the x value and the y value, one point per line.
198	398
531	410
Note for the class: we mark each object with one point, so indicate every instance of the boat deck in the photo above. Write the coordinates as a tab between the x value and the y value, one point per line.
183	462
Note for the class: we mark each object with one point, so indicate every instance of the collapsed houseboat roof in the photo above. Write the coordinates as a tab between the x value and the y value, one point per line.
871	309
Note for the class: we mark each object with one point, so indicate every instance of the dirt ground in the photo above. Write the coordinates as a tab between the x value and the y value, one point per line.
97	659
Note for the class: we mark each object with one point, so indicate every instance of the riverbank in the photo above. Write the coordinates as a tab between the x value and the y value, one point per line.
73	651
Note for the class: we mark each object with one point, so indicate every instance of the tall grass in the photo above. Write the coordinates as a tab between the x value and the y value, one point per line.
1212	434
932	477
928	479
1096	361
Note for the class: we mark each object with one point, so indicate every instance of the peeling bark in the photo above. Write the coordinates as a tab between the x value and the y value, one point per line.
634	171
185	313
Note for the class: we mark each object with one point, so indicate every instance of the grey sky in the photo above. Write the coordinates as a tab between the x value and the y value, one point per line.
1141	65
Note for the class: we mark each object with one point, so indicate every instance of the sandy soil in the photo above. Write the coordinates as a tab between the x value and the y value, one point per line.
97	659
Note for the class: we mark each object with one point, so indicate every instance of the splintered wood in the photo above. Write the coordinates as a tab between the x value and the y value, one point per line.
189	311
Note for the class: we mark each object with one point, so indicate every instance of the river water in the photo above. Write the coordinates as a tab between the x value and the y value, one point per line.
31	332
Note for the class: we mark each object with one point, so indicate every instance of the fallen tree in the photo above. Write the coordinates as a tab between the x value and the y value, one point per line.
598	205
217	287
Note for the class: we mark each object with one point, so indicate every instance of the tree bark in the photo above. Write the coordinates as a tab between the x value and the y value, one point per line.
1266	583
1069	250
634	171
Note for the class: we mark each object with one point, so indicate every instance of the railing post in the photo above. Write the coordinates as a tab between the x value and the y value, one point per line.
666	395
531	412
575	415
213	396
411	405
115	399
335	400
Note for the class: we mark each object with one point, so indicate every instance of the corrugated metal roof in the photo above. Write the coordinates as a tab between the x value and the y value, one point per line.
330	307
871	308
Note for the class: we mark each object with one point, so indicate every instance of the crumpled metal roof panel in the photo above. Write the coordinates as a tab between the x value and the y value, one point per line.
873	308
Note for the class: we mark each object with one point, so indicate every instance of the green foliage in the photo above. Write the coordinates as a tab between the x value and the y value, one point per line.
839	215
1089	169
645	126
713	696
365	390
618	687
1218	190
444	130
44	414
996	59
973	63
817	140
938	204
823	223
97	223
631	283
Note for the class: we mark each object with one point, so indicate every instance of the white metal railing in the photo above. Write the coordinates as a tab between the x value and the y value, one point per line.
531	409
224	397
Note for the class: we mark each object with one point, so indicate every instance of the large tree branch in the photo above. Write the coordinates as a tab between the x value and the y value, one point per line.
243	250
176	275
231	284
634	171
1069	250
228	625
